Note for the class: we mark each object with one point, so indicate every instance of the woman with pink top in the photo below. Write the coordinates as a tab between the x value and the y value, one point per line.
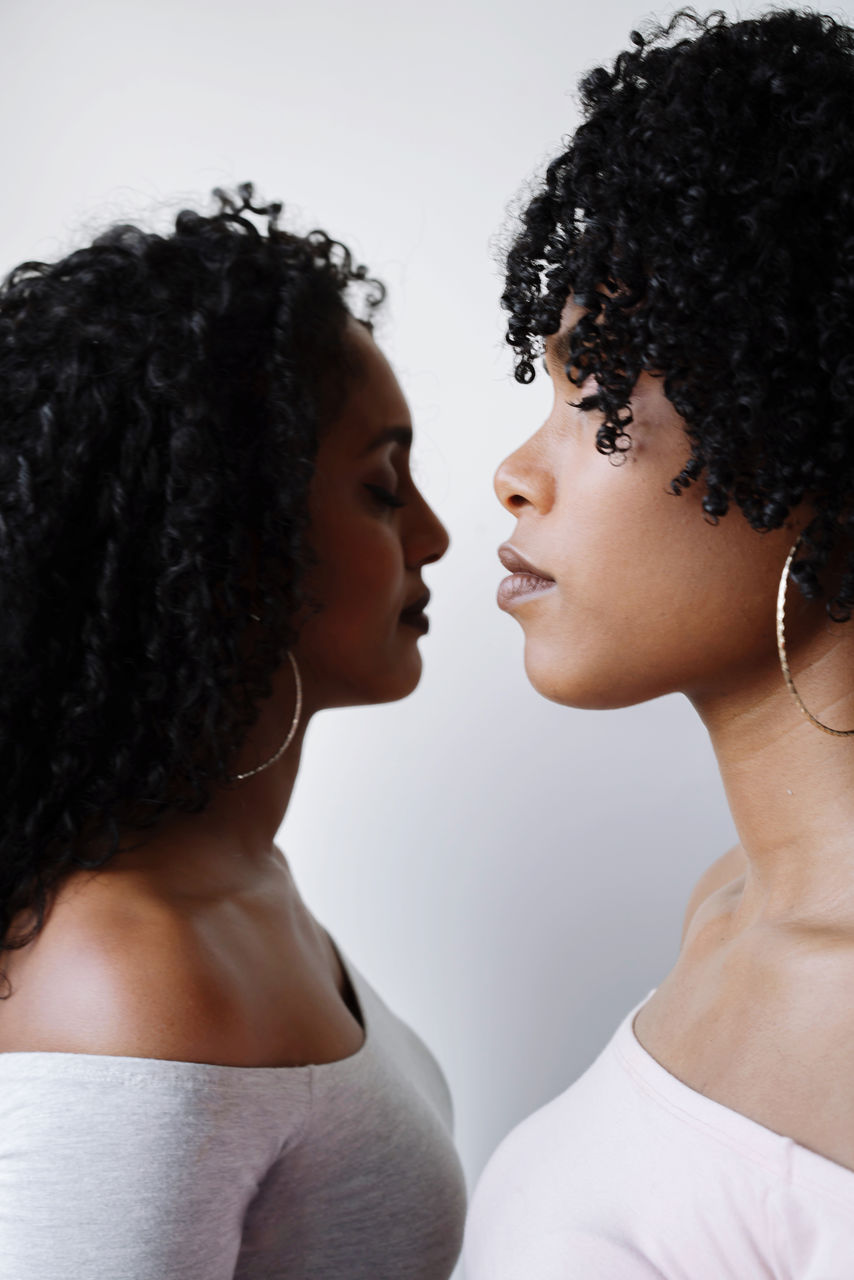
684	521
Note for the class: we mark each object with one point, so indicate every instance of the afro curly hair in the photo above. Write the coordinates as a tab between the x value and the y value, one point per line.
703	214
160	401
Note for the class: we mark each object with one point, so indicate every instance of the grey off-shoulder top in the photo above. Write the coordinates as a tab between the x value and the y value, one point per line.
142	1169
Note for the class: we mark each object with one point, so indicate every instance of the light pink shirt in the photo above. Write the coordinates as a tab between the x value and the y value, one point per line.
631	1175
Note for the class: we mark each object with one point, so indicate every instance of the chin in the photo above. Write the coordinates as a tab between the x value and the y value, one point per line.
585	688
406	681
390	684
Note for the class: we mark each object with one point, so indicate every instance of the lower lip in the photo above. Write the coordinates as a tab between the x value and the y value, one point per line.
418	621
520	587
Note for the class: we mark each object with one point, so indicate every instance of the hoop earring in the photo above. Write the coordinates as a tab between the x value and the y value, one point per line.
250	773
781	651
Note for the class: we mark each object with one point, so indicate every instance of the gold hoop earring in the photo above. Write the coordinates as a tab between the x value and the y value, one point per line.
781	651
250	773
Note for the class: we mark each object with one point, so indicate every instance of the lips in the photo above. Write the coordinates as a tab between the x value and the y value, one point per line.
525	580
414	616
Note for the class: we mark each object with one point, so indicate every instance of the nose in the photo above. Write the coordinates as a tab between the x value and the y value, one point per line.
427	538
523	480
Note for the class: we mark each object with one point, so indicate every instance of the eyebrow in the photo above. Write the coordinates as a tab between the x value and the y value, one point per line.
390	435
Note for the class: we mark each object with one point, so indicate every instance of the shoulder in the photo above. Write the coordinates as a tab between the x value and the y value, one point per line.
811	1037
118	970
723	871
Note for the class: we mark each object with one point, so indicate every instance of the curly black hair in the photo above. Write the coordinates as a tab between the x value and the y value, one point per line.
703	214
160	402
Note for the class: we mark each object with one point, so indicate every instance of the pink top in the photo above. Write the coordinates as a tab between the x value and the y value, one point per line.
630	1174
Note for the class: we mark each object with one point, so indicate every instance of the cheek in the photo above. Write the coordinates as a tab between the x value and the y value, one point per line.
358	570
630	543
651	597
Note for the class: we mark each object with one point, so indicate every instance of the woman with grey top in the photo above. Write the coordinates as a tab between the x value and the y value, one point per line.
208	532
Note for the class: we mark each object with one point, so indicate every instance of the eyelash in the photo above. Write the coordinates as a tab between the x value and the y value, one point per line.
588	404
384	496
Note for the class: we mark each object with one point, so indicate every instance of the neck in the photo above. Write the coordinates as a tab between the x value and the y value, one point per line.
790	786
234	837
249	812
246	815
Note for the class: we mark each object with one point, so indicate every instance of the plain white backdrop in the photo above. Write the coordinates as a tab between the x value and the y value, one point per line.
510	874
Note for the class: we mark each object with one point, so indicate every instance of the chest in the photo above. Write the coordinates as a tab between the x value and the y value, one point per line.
771	1038
371	1186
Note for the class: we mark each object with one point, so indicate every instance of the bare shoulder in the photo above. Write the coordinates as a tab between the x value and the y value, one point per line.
780	992
723	871
791	1014
118	971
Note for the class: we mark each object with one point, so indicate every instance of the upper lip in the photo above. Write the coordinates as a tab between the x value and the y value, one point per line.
419	605
516	562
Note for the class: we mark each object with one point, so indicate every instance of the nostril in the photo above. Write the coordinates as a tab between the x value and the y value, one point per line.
518	479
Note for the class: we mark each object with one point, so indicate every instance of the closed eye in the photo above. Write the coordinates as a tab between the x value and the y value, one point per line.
587	404
384	496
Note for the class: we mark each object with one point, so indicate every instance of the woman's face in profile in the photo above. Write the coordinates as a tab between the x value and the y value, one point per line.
371	532
646	596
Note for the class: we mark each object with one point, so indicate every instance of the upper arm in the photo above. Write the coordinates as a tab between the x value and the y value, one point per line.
722	871
115	1169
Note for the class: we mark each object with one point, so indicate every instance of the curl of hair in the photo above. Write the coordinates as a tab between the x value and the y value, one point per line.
703	214
160	399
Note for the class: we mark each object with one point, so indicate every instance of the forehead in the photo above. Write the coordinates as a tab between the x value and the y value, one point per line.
375	413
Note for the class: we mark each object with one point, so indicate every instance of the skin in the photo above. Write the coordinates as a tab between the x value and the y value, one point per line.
195	945
649	598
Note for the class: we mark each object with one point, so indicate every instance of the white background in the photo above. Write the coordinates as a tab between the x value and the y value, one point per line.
510	874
